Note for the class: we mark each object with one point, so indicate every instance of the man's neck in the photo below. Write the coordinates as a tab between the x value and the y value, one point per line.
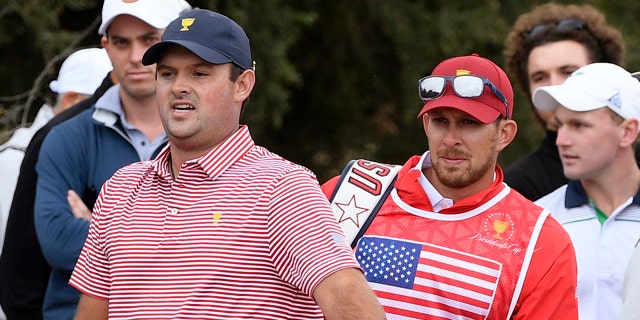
611	189
143	114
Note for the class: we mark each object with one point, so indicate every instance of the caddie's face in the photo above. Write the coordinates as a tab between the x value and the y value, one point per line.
588	142
199	104
463	150
551	64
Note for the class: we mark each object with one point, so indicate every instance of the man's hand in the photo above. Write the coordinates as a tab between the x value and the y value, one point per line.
78	208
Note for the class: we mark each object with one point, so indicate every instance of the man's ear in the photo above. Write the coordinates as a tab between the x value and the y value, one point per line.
104	43
629	132
244	85
507	130
425	122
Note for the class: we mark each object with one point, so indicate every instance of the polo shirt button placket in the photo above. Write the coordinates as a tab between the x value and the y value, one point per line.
170	224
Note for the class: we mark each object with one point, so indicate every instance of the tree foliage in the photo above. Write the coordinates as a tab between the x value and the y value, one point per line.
336	79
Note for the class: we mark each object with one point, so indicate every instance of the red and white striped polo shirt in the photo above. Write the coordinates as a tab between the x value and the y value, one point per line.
241	233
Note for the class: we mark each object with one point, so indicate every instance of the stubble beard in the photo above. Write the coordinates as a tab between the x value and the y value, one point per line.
460	177
463	176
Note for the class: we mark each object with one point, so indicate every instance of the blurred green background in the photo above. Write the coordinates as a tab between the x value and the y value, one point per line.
336	79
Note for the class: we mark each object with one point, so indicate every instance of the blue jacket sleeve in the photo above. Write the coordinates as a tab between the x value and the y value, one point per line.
60	168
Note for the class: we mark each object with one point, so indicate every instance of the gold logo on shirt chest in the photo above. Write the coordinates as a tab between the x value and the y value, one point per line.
216	217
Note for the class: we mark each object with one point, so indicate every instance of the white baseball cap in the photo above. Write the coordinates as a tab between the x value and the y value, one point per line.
157	13
82	71
591	87
184	5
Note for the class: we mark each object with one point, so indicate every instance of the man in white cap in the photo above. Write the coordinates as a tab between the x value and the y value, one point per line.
598	111
24	272
80	75
80	154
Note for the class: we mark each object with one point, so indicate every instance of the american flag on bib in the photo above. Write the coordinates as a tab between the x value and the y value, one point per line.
417	281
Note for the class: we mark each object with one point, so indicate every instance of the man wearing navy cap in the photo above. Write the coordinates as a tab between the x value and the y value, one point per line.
215	227
452	241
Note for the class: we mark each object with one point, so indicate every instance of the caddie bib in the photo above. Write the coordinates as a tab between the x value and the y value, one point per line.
469	264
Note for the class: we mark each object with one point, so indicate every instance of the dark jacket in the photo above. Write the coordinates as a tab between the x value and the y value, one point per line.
80	154
24	272
539	172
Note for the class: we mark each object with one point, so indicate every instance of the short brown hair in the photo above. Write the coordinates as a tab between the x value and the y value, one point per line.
603	42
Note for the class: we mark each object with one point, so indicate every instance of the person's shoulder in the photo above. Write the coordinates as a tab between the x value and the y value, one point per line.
15	143
330	185
126	182
553	199
9	157
553	236
68	114
66	134
134	169
521	171
65	115
552	227
131	174
516	201
273	162
75	124
38	138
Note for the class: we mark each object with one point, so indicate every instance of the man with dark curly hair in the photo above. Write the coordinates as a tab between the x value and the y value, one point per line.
543	48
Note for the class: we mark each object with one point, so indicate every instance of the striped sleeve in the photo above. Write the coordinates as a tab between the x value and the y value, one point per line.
306	242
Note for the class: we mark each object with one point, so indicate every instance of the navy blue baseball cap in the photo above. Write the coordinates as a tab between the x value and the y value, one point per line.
211	36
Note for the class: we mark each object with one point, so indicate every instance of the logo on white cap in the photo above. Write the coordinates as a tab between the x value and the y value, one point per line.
616	101
592	87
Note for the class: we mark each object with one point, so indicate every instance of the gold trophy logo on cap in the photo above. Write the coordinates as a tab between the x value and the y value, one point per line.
186	23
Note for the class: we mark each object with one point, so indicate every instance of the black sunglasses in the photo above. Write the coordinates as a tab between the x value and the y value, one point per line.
567	24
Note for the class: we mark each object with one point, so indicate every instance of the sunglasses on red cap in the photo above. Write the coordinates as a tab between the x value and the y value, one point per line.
464	86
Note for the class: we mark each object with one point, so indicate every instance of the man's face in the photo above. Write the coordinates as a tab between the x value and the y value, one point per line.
126	41
463	150
199	104
551	64
588	142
